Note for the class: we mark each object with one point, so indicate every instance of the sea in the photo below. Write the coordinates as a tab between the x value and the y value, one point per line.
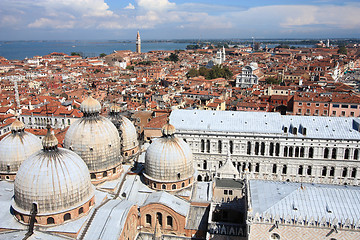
27	49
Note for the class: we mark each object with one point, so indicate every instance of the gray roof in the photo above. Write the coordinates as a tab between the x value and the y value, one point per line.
265	123
197	218
306	200
177	204
229	183
109	220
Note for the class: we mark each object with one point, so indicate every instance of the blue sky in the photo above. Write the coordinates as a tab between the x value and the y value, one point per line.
174	19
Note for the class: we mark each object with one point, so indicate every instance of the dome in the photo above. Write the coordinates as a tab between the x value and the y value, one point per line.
15	148
126	129
169	158
90	105
55	179
96	140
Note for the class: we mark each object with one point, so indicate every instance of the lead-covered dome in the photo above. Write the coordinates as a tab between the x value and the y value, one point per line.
56	180
15	148
127	131
97	141
169	160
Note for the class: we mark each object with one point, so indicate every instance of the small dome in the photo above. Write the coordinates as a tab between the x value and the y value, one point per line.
115	108
169	158
17	126
90	105
56	180
168	130
16	147
254	65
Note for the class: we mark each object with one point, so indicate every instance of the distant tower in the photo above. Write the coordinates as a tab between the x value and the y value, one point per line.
138	43
328	43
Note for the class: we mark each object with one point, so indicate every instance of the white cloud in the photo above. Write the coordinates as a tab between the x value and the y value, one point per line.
156	5
51	23
130	6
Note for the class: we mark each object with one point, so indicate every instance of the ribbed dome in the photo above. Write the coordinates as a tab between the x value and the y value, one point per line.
169	158
16	147
57	180
96	140
90	105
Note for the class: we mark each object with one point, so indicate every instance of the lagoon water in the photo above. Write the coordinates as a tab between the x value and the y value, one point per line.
27	49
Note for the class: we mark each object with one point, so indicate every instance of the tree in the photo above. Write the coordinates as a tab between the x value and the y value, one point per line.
173	57
75	54
342	50
218	71
102	55
272	80
130	67
192	73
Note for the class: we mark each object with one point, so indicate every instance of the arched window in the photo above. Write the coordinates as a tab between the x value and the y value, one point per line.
277	149
353	173
257	148
284	170
346	155
154	185
205	164
274	168
199	178
332	171
326	153
356	154
182	184
231	146
271	149
208	146
159	218
300	170
302	152
163	186
297	151
285	151
248	148
257	167
202	149
249	167
309	170
311	152
219	146
285	129
81	210
263	148
333	155
344	173
50	220
173	186
148	219
169	221
294	131
324	171
291	151
67	216
105	174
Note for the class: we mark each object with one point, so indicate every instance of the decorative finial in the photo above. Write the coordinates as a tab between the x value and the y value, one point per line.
49	142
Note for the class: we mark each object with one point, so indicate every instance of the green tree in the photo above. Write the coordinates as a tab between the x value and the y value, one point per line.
75	54
192	73
272	80
218	71
203	71
130	67
102	55
173	57
342	50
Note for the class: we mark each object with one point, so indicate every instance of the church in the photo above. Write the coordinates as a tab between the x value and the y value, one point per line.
211	175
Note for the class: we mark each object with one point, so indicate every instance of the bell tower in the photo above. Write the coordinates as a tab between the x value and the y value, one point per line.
138	43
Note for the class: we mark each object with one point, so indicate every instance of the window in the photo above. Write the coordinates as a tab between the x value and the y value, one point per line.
345	106
257	167
219	146
105	174
277	149
208	146
92	176
300	170
231	147
317	104
332	171
249	148
325	104
50	220
309	170
344	173
225	192
334	113
67	216
342	113
202	145
353	106
205	164
271	149
230	192
263	148
300	104
257	148
284	170
173	186
285	151
311	152
163	186
356	154
299	110
353	173
81	210
333	155
326	153
169	221
159	218
324	171
148	219
346	155
308	104
274	168
336	105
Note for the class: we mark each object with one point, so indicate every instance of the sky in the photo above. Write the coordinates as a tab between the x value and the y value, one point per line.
175	19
